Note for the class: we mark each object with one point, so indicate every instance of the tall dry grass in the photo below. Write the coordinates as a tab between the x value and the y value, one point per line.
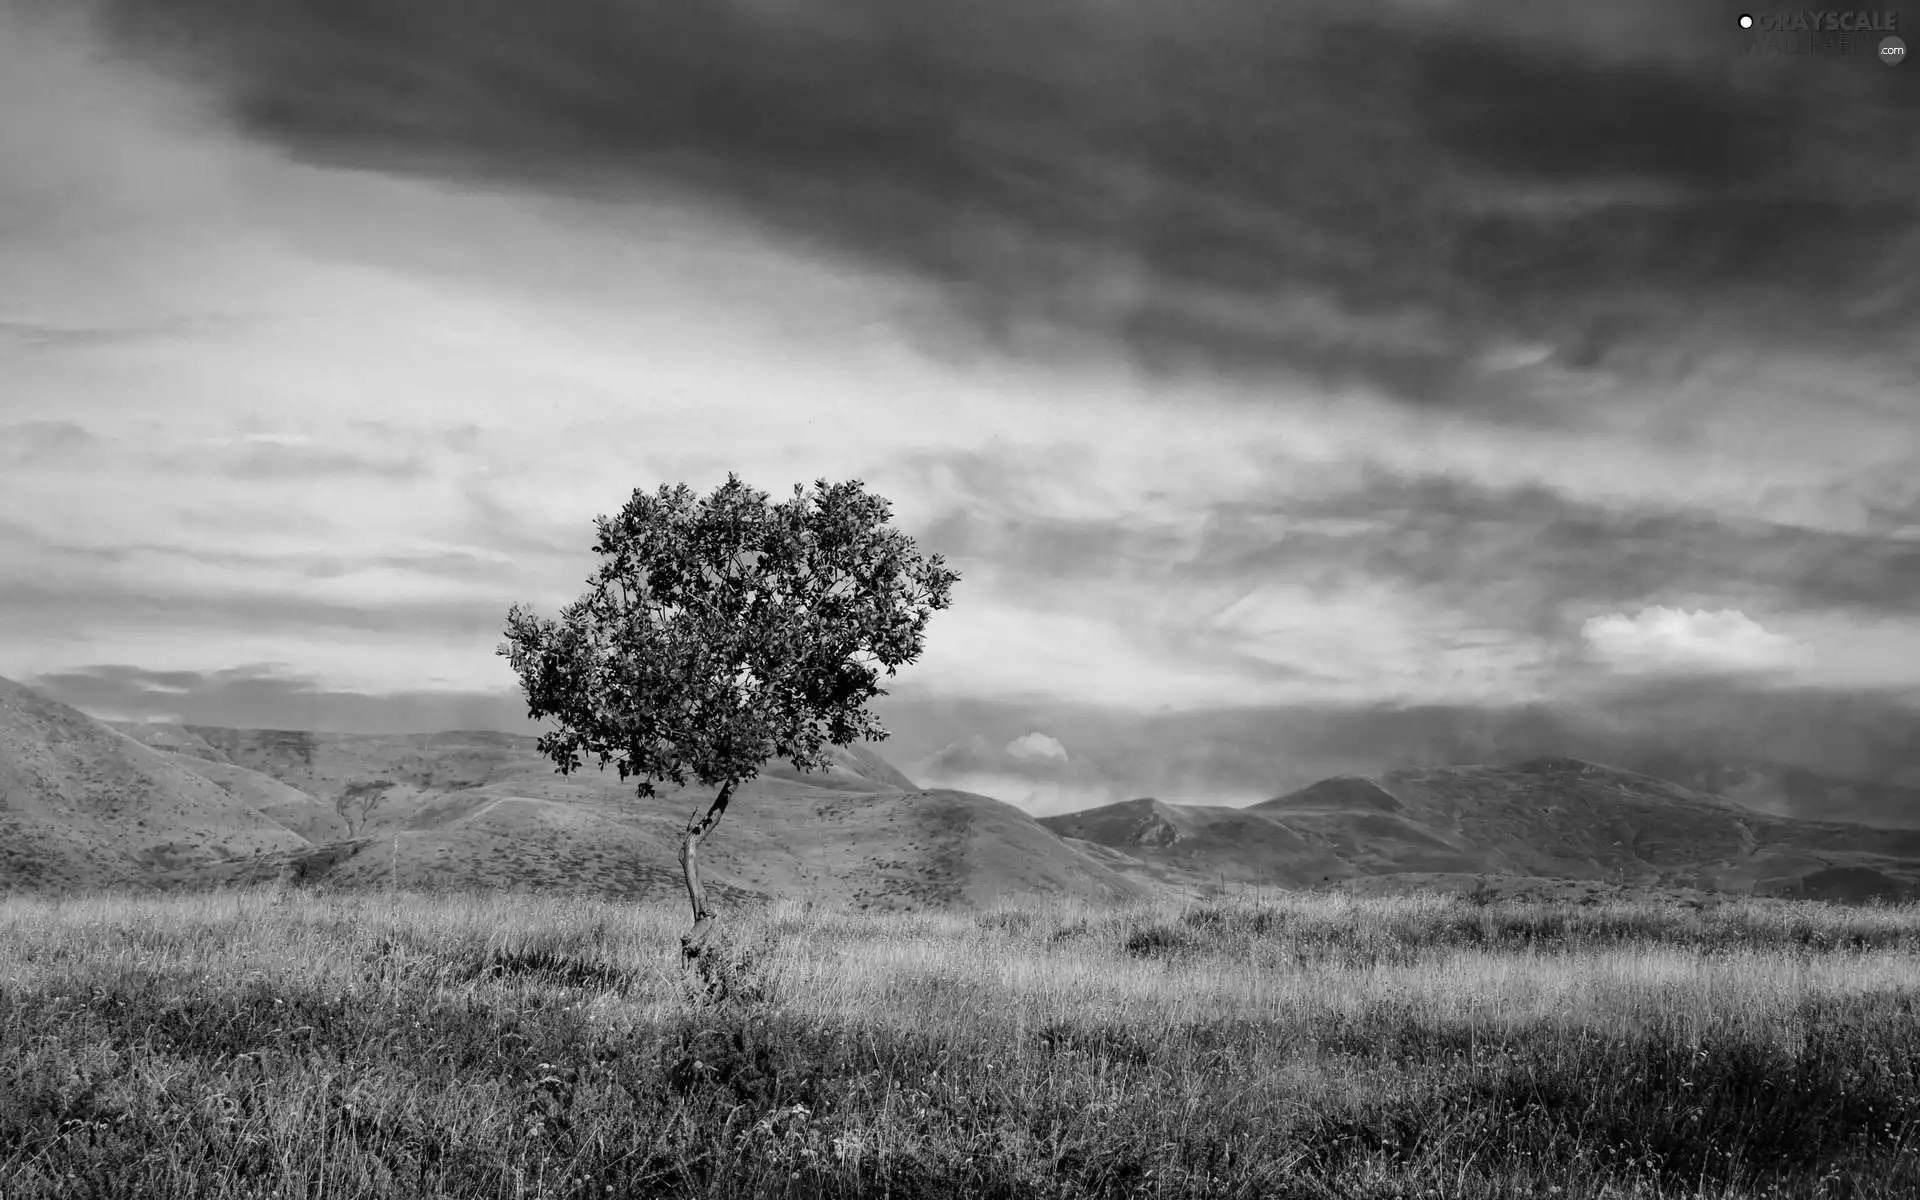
316	1045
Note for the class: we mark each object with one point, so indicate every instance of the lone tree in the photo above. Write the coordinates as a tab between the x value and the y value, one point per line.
357	804
722	631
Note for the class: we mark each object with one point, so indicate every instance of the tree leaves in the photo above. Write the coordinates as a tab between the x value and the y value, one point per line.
722	631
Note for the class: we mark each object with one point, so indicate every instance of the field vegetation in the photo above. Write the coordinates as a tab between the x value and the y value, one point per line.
312	1044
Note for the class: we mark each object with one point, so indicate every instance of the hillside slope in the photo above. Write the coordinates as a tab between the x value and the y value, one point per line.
1178	844
1545	818
1789	791
84	805
480	809
306	815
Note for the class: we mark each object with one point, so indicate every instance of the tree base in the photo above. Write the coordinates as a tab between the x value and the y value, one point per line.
694	939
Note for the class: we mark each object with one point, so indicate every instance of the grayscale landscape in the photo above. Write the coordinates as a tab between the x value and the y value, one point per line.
1036	600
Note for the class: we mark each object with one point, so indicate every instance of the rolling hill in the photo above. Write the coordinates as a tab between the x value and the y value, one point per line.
189	806
1785	790
85	804
1547	818
307	815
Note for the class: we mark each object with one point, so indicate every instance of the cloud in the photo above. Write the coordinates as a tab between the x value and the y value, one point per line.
272	696
1516	357
29	442
1037	797
1071	176
1667	639
1033	771
1031	756
1499	549
1036	746
288	457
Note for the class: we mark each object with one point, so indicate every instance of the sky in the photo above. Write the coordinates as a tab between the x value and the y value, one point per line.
1297	387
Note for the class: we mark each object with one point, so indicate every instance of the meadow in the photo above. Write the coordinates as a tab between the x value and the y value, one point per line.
307	1044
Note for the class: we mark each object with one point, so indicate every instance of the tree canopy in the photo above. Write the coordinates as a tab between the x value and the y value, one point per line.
722	631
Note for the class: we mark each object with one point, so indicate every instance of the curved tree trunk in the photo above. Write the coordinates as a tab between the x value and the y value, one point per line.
698	828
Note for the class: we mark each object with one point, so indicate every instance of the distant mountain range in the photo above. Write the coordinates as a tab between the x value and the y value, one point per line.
87	804
1548	818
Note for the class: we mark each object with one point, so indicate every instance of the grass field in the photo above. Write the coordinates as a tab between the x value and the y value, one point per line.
313	1045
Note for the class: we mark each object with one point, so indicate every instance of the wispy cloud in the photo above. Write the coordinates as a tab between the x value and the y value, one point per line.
266	695
27	443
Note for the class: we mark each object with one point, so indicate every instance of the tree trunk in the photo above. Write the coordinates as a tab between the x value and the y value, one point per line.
698	828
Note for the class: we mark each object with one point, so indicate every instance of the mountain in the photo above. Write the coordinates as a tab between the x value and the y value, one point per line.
325	765
83	805
1804	753
483	809
1182	844
1784	790
306	815
1544	818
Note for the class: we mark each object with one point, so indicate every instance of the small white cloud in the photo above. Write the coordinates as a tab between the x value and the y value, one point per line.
1516	357
1036	746
1668	639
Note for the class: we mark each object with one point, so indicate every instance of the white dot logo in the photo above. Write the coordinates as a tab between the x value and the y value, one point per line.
1893	51
1746	22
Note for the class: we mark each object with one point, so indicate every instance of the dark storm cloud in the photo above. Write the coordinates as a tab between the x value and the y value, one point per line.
1229	185
267	696
1582	121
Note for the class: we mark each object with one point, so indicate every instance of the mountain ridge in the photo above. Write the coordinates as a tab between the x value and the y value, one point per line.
485	809
83	802
1544	817
477	808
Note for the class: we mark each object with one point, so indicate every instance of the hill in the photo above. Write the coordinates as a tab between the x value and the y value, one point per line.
1176	845
307	815
83	805
880	851
486	810
1546	818
1784	790
323	766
